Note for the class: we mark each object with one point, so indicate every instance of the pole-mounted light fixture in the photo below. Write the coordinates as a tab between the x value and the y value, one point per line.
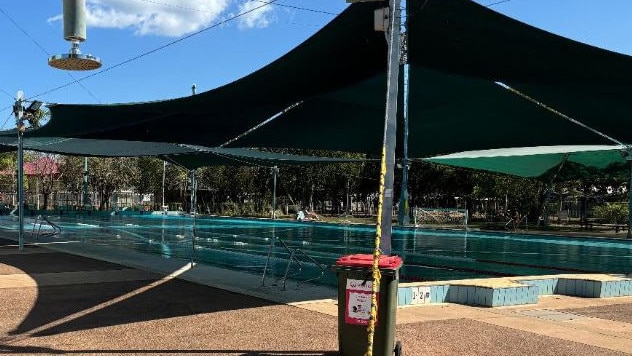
21	113
75	33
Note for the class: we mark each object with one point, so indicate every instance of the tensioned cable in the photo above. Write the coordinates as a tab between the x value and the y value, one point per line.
169	159
542	105
45	51
573	121
78	81
415	11
182	8
305	9
498	2
7	93
265	122
220	23
240	160
224	155
7	119
192	9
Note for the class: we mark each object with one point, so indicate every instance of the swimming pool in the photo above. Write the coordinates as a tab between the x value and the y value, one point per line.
429	255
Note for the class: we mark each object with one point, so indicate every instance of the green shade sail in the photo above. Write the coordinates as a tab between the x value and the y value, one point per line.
335	83
188	156
534	162
217	116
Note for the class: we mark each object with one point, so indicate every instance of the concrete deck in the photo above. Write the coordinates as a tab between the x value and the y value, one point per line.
78	299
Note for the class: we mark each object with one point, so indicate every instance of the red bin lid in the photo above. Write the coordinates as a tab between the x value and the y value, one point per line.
366	260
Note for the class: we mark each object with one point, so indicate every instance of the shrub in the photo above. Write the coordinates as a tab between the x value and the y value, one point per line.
614	213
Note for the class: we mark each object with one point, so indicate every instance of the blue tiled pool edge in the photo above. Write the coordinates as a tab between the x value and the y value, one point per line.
507	291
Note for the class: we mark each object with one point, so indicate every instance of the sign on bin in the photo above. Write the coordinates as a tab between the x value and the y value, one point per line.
358	308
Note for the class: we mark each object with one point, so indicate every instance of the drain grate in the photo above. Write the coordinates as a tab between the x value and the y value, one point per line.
550	315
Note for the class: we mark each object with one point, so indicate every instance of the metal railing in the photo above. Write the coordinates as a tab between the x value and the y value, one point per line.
40	221
296	258
515	225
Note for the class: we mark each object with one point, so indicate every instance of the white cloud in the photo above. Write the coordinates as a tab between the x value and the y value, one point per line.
171	18
259	14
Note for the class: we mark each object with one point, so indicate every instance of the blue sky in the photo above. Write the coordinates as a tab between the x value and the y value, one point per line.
135	41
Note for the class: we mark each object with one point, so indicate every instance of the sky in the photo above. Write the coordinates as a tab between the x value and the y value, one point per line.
158	49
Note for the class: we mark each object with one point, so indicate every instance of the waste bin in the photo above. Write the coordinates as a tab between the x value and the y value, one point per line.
354	304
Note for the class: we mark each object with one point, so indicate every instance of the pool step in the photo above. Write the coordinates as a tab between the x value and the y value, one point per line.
507	291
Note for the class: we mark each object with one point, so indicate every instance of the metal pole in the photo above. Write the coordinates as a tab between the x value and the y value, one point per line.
630	200
18	110
193	202
193	234
21	188
164	172
348	202
193	189
275	171
403	216
86	198
390	128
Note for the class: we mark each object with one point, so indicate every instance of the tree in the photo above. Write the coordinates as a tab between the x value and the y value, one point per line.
71	178
311	185
436	186
176	181
8	167
211	180
45	169
366	185
517	194
109	174
149	177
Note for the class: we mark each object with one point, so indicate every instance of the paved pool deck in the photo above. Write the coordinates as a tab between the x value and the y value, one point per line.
80	299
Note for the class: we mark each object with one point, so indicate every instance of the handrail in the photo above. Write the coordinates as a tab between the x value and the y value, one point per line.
515	225
322	268
44	219
293	259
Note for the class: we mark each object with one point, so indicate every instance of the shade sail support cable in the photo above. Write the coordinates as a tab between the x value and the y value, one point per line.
235	158
265	122
178	40
556	112
626	153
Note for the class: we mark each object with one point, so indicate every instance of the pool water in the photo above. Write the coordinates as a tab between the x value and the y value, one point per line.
429	255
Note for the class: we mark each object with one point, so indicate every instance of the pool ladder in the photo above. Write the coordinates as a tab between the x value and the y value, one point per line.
513	225
295	257
43	220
